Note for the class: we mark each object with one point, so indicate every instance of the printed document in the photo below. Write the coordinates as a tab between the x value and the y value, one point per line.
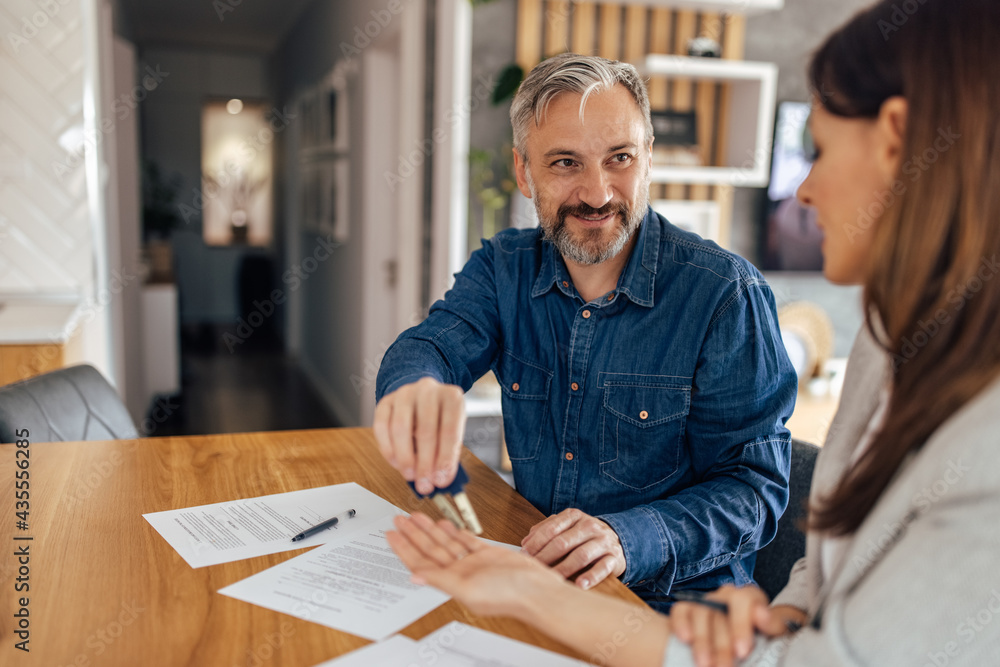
354	583
454	645
237	529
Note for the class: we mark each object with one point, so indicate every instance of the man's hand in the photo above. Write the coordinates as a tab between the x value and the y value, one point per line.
721	640
577	543
419	429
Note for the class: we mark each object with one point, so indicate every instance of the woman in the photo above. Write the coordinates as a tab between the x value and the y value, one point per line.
903	545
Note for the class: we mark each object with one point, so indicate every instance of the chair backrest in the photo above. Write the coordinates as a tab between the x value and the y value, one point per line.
775	561
69	404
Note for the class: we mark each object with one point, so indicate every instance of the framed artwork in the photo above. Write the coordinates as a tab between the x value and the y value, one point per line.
333	117
237	179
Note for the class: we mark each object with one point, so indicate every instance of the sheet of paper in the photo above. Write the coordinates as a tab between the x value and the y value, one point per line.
237	529
354	583
454	645
396	651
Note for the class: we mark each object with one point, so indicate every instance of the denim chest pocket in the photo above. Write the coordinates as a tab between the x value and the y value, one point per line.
642	433
525	401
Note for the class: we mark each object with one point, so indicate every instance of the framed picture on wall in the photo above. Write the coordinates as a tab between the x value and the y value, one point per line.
333	126
309	124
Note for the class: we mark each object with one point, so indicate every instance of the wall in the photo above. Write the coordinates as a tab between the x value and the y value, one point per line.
171	136
342	298
53	132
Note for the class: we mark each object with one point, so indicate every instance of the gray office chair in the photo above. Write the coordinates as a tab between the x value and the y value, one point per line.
69	404
775	561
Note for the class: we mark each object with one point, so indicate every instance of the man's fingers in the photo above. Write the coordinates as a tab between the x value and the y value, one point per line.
401	432
452	429
426	436
380	426
601	570
543	531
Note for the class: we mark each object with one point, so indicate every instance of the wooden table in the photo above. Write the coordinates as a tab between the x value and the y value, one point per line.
106	589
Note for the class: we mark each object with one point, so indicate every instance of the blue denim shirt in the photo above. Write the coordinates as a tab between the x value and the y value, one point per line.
659	408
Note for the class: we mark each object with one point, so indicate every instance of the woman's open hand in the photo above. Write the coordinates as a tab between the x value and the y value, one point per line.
489	580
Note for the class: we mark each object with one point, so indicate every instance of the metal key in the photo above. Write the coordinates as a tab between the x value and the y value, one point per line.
465	517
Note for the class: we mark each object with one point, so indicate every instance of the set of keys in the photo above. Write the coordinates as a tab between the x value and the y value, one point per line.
462	514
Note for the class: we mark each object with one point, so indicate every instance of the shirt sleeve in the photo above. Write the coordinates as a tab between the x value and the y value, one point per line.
457	341
743	392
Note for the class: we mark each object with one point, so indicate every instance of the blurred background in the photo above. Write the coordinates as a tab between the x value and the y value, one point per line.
232	208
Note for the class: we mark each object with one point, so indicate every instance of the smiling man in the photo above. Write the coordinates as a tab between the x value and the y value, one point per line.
645	385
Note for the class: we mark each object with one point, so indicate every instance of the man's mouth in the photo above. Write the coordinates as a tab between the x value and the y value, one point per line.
594	220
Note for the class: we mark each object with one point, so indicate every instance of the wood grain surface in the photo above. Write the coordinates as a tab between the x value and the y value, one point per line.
106	589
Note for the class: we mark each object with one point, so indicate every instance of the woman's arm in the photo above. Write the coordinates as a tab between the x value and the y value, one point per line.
493	581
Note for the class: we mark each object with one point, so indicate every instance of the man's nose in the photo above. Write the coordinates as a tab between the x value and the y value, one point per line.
595	188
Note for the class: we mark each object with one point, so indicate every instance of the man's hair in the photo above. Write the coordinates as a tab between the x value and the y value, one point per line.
572	73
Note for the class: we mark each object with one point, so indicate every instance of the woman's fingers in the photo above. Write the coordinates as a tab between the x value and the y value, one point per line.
424	536
721	640
702	644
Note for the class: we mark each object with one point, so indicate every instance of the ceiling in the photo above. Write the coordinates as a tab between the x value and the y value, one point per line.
245	25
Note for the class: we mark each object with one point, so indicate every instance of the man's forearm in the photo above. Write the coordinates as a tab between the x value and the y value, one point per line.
598	626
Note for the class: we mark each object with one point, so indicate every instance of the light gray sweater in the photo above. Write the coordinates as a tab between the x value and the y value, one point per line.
919	583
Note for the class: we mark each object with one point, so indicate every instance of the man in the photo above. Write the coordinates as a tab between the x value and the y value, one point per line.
645	385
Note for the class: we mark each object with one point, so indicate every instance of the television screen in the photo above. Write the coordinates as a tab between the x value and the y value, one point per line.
791	239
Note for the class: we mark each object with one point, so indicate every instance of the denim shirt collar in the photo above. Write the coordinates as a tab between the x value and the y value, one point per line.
637	281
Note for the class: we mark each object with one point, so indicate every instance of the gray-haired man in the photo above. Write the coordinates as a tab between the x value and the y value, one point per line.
645	386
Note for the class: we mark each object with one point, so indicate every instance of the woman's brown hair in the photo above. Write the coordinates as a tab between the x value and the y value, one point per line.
932	291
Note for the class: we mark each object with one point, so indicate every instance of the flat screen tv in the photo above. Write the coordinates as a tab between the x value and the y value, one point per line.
790	240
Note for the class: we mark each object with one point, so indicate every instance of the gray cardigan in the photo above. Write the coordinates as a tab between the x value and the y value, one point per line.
919	584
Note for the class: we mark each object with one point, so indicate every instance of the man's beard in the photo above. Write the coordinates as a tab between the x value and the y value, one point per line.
590	246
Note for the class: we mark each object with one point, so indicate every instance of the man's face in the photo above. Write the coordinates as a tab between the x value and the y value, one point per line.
589	177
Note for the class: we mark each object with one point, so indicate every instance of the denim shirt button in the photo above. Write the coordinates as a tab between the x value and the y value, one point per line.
569	456
643	415
611	297
515	386
574	386
586	314
565	284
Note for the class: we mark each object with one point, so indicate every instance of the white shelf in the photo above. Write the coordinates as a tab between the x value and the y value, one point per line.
482	406
750	123
748	7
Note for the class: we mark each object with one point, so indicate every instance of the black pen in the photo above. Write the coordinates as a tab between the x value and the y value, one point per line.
323	526
699	598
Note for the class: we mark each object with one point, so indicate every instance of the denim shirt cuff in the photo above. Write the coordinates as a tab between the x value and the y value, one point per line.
646	543
407	379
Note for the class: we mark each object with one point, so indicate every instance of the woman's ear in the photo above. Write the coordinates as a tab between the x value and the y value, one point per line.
890	128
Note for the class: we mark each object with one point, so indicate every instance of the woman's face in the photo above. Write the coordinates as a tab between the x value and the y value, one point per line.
849	190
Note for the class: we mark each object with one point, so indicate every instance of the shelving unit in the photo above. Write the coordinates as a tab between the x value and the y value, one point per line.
749	122
747	7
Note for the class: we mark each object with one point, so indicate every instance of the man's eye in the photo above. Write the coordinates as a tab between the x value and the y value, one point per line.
565	162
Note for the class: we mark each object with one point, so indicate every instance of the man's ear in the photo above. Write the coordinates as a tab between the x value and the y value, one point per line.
520	175
890	130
